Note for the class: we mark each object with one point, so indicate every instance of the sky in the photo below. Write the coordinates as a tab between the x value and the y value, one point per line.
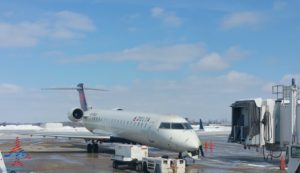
190	58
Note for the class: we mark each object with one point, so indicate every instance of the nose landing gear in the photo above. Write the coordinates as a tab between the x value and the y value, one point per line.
198	153
201	151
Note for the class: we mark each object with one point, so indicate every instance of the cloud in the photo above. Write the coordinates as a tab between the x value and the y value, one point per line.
150	58
235	53
6	88
68	25
286	79
23	34
192	97
75	21
242	19
61	25
168	18
167	58
216	62
279	5
211	62
242	78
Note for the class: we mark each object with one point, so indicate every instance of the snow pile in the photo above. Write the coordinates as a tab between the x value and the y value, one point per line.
52	125
217	128
20	127
48	127
214	128
65	129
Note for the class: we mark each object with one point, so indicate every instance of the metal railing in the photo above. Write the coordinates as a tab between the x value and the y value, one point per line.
282	91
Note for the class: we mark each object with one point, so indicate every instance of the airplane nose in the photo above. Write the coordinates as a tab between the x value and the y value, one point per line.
193	142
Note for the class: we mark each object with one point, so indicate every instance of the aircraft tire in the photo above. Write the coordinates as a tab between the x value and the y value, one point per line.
95	148
180	155
139	167
89	148
157	169
145	169
115	164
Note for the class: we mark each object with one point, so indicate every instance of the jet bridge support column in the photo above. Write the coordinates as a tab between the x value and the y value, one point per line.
294	147
295	118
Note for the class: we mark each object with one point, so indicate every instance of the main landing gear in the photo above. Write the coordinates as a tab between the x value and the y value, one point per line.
92	147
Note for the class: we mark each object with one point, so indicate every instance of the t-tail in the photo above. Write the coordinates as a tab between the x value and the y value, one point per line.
201	125
80	88
82	98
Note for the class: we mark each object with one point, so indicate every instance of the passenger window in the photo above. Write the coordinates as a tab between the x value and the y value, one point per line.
177	126
164	126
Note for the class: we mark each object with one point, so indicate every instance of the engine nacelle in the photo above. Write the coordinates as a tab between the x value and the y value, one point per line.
75	114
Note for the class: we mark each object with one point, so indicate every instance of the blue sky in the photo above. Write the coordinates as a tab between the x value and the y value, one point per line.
192	58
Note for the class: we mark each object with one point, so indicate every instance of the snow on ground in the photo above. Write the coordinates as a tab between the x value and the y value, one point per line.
20	127
46	127
214	128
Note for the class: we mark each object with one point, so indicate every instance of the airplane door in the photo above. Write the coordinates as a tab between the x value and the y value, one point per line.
151	131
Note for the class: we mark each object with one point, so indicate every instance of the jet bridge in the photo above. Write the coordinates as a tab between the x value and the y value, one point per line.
264	122
245	121
253	122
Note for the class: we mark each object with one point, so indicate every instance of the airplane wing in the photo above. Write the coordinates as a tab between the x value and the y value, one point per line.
99	135
74	136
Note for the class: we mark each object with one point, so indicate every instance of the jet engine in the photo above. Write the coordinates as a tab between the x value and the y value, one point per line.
75	114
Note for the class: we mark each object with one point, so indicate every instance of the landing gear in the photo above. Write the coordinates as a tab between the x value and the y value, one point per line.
95	148
89	148
115	164
145	167
92	148
180	156
139	167
201	151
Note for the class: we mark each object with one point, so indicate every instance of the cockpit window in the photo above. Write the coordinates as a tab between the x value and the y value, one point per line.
177	126
165	126
187	126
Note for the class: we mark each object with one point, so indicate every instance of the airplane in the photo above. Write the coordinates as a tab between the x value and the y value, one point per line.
211	129
169	132
2	164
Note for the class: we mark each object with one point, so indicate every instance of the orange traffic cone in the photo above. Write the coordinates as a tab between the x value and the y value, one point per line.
205	145
211	146
282	164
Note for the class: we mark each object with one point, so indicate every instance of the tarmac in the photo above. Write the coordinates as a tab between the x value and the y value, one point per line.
51	155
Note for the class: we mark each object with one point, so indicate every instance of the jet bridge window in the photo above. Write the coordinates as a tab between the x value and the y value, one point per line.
295	152
165	126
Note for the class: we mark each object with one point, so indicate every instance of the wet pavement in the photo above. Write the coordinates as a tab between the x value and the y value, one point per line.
50	155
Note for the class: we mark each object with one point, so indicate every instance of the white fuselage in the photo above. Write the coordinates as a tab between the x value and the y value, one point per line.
143	128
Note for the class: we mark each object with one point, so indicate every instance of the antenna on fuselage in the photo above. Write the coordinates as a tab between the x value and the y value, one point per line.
80	89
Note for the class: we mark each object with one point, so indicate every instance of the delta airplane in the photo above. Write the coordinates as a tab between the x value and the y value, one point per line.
168	132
